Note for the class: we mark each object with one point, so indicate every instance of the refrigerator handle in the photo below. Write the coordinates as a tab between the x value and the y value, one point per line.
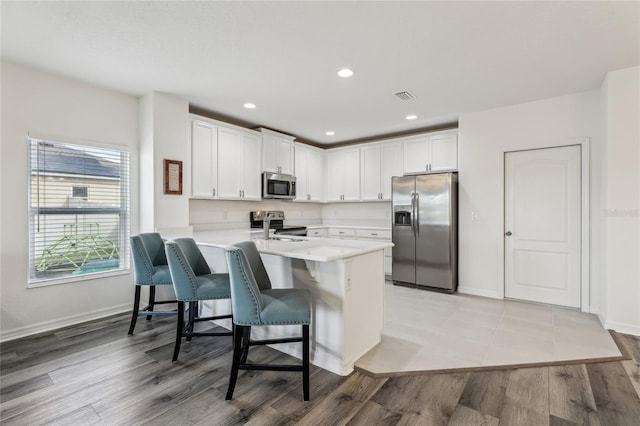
413	212
416	217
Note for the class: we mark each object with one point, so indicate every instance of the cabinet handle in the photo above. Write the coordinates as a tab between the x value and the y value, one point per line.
243	193
308	197
375	234
214	192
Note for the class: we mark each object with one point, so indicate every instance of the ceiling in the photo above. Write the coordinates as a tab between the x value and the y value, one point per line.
455	57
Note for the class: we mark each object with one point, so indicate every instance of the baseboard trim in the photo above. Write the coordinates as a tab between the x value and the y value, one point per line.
47	326
633	329
478	292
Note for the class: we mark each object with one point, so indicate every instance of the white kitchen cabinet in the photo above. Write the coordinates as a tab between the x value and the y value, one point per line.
431	153
238	164
381	235
379	162
277	152
343	174
309	172
204	159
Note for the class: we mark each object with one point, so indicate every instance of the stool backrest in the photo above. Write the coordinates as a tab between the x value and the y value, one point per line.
255	262
246	300
148	251
186	262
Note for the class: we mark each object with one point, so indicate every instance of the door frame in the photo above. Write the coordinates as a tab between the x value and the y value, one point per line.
585	282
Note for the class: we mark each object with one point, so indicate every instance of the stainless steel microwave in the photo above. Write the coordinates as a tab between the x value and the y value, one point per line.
277	185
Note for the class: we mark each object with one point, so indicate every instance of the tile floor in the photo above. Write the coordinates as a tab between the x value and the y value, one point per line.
426	330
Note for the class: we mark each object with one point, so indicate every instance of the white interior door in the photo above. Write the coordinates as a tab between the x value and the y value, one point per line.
542	225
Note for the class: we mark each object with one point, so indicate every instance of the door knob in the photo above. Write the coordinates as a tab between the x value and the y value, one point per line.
508	234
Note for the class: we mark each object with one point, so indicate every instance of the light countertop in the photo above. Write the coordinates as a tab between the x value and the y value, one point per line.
315	249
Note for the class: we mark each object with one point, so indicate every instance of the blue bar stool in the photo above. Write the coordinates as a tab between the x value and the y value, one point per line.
255	303
150	269
193	281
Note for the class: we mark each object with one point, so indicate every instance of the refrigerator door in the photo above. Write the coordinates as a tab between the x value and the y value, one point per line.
434	228
402	231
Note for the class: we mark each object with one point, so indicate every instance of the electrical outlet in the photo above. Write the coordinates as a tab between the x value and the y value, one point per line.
348	288
474	215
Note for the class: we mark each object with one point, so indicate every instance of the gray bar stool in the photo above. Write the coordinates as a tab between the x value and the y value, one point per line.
150	269
255	303
193	281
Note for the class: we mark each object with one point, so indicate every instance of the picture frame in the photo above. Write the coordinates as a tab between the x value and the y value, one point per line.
173	177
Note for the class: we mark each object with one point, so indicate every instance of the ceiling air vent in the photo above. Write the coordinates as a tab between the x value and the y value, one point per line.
405	95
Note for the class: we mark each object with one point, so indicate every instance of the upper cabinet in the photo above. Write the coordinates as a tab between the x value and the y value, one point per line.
343	174
431	153
225	161
239	164
204	159
277	152
378	163
309	172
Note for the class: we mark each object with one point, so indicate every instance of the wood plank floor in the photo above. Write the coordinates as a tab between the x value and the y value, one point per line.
95	373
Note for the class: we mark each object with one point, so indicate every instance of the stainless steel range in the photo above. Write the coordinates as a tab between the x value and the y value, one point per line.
274	219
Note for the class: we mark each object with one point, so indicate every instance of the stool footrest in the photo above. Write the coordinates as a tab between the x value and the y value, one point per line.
271	367
157	312
275	341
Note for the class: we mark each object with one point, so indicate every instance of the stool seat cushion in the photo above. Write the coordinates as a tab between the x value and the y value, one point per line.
286	306
161	276
213	286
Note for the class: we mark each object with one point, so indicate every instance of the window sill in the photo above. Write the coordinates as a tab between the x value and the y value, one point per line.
76	278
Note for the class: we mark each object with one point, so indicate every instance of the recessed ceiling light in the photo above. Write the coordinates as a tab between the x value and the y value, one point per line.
345	73
330	133
249	105
411	117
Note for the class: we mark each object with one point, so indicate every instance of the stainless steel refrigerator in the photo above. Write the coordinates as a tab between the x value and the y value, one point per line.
424	231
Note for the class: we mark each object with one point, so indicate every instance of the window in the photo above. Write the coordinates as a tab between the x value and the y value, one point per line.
80	192
78	210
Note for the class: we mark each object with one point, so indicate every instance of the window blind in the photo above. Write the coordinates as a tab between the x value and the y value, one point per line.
78	210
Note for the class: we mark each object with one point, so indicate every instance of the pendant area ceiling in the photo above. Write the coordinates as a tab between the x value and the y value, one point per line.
453	57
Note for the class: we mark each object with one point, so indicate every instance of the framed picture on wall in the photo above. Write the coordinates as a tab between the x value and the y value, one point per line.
173	177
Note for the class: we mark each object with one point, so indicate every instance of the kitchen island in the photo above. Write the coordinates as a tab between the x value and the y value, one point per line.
345	277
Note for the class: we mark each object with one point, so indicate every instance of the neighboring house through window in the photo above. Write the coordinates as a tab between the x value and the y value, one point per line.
78	210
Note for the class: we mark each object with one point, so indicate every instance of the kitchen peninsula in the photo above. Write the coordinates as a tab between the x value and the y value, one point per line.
346	278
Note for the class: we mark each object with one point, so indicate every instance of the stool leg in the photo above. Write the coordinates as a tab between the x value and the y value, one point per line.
246	337
152	299
305	361
136	307
238	332
193	308
176	350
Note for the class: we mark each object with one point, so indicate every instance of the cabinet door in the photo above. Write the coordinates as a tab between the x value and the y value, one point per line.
229	167
371	172
444	152
351	169
269	153
204	159
285	156
416	155
250	168
391	166
335	175
315	175
277	154
301	163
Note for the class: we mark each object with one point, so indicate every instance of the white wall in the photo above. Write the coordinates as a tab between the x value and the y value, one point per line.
47	105
219	214
484	137
621	308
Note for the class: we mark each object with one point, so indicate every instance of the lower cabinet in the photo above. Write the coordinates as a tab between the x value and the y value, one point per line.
365	234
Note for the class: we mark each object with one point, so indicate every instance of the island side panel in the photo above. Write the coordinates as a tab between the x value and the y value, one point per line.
363	306
326	282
